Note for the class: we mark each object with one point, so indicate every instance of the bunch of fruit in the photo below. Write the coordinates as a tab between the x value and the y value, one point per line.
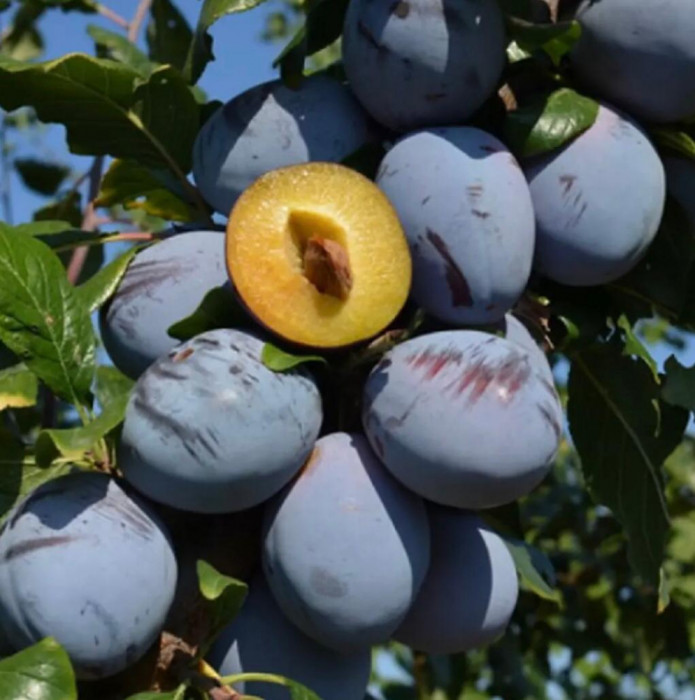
370	531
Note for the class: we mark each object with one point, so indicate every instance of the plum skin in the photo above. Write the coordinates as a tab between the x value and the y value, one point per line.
639	56
210	429
346	547
434	409
417	63
262	639
583	238
467	213
86	562
270	126
163	284
470	591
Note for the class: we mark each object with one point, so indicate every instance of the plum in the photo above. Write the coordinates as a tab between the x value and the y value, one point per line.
436	408
470	591
261	639
415	63
271	126
513	329
639	55
210	429
346	546
163	284
598	202
466	210
680	181
86	562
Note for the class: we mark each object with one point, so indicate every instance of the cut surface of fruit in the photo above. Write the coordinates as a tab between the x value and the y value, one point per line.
317	253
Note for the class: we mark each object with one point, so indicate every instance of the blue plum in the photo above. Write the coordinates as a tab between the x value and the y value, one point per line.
261	639
470	591
680	181
513	329
210	429
271	126
84	561
163	284
598	202
346	546
463	418
639	55
415	63
466	210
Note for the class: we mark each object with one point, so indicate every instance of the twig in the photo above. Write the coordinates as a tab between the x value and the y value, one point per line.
79	255
6	180
113	16
138	18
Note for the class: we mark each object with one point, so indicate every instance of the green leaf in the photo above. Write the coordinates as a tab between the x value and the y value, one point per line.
178	694
323	25
549	123
635	347
218	309
117	47
535	571
41	672
556	40
134	186
75	443
99	288
679	385
68	208
623	434
168	34
47	229
200	53
18	385
154	122
281	361
224	595
42	318
112	385
20	474
674	140
44	178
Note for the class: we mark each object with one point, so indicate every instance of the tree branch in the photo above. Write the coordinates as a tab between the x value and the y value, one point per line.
138	18
113	16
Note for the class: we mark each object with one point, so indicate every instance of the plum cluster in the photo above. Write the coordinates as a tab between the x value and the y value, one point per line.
373	531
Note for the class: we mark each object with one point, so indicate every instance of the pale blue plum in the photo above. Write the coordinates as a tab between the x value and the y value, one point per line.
513	329
271	126
88	563
163	284
210	429
346	546
598	202
466	210
463	418
415	63
262	640
470	591
639	55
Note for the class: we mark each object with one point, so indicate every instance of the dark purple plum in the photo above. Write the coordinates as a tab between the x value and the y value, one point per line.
210	429
262	640
466	210
163	284
463	418
639	55
415	63
598	202
346	546
470	591
86	562
271	126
